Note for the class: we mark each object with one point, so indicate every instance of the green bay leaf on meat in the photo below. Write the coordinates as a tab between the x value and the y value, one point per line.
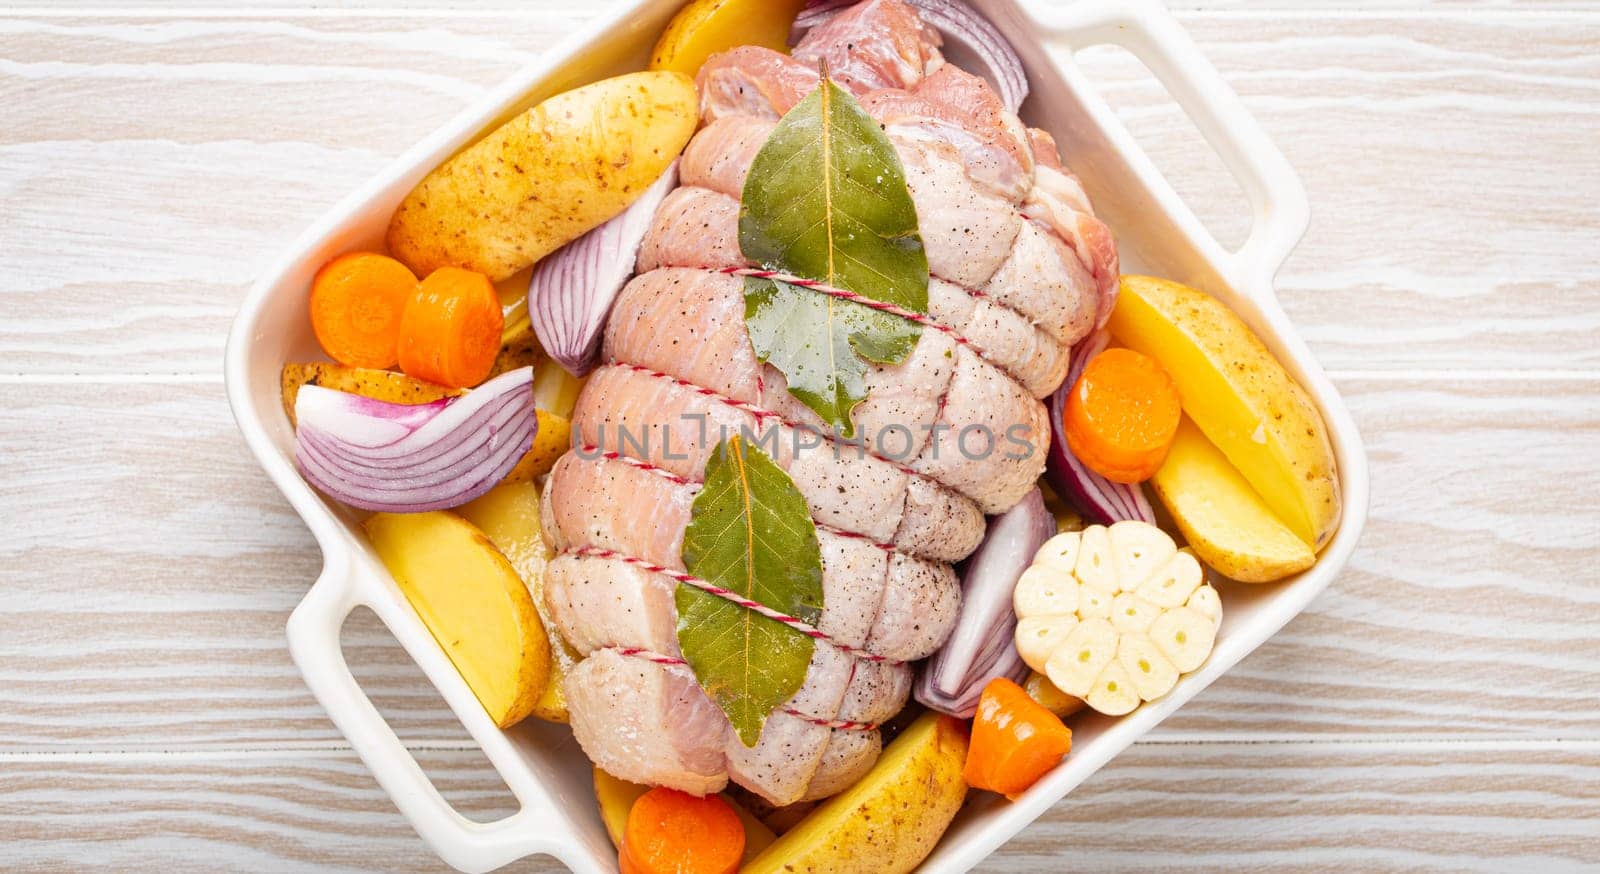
826	200
750	532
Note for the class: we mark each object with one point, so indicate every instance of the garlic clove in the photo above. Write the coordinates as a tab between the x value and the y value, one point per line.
1151	673
1185	636
1081	656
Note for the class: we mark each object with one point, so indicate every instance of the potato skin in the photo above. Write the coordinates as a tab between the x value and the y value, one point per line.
616	799
889	821
550	442
545	177
706	27
519	349
459	582
1228	526
1240	396
383	385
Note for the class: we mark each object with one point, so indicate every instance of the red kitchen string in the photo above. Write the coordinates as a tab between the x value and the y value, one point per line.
761	414
732	597
910	315
591	451
658	658
880	306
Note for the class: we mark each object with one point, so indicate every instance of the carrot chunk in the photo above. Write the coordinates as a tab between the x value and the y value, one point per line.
450	332
1122	415
1015	740
357	301
672	832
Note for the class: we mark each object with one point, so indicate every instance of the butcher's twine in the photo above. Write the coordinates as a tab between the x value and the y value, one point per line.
590	451
732	597
658	658
762	414
870	303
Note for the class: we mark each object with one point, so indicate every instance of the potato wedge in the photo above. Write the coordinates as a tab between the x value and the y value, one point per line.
705	27
473	601
546	177
556	390
891	819
1240	397
383	385
509	516
616	799
1040	689
518	348
553	438
1225	521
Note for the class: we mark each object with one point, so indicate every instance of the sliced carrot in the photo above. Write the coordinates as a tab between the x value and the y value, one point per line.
672	832
450	333
1015	741
357	301
1122	415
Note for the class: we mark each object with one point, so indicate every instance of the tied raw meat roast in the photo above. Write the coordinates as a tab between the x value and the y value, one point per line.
1020	269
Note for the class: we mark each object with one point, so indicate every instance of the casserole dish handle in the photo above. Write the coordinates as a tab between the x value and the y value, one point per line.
313	630
1145	28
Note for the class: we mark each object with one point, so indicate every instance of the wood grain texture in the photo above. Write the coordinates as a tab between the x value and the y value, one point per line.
1447	165
170	607
1450	160
1436	709
1158	807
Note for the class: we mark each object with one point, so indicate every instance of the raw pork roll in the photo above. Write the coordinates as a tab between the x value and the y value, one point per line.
1021	270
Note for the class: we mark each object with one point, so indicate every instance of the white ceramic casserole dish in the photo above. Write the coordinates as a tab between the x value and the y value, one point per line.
1157	234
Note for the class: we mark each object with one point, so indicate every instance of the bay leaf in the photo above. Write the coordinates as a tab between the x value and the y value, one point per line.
822	344
750	531
826	200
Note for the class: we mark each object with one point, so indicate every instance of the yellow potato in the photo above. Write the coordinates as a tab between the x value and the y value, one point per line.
474	603
891	819
546	177
509	516
1240	397
518	348
616	799
1040	689
556	390
552	703
383	385
553	439
705	27
1225	521
1067	518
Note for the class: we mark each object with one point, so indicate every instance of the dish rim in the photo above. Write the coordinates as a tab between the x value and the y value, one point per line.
352	577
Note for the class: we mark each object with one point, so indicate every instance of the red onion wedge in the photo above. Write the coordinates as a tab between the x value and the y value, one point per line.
814	14
407	458
970	42
1098	498
974	45
571	291
981	647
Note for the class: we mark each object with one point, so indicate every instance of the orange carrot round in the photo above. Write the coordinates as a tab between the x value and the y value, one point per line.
672	832
1015	740
450	333
1122	415
357	302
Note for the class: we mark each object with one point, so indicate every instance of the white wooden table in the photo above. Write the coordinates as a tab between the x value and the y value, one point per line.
1438	708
